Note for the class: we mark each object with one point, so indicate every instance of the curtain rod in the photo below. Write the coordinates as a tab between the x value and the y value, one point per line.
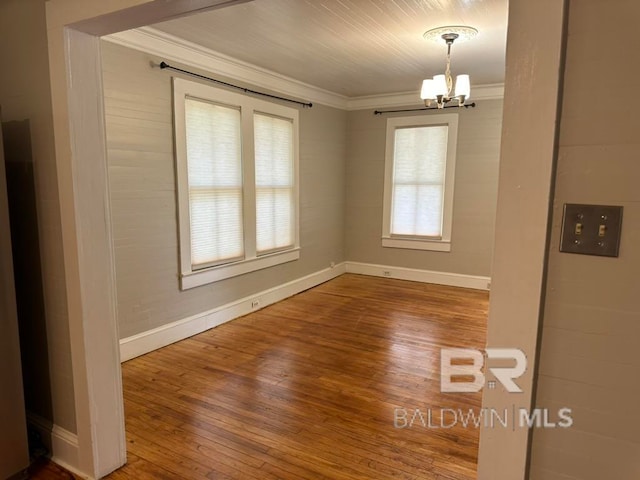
164	65
380	112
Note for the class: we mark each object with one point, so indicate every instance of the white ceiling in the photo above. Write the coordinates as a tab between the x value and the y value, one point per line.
353	47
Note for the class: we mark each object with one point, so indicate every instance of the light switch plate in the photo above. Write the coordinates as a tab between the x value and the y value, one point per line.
591	229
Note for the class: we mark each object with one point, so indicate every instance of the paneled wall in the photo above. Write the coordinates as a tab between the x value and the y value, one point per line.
142	185
474	206
591	328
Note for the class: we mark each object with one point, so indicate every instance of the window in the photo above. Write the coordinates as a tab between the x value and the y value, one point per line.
237	183
419	179
214	167
275	188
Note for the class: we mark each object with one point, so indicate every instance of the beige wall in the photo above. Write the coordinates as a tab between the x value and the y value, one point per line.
142	188
25	95
591	328
14	452
474	206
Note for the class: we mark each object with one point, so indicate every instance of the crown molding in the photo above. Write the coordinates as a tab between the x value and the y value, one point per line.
171	48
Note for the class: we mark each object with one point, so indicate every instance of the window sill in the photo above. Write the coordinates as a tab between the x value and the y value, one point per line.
417	244
221	272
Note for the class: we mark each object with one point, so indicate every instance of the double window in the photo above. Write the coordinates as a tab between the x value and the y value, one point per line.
418	189
237	183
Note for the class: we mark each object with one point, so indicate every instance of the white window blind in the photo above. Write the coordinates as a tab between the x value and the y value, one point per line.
419	164
214	165
274	171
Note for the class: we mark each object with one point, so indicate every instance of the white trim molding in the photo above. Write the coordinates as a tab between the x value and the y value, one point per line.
136	345
412	244
172	48
145	342
391	239
475	282
248	258
61	443
192	279
89	272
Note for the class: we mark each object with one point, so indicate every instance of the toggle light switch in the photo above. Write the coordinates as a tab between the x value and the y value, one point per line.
591	229
602	230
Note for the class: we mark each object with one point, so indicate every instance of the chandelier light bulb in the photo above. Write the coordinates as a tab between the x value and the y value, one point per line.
428	91
463	86
440	85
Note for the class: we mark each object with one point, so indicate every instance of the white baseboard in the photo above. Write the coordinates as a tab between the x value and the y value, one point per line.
61	443
145	342
136	345
425	276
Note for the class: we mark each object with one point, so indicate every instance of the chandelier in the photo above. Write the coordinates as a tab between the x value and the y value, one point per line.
441	89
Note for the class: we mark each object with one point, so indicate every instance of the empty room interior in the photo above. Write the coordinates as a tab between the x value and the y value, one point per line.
333	239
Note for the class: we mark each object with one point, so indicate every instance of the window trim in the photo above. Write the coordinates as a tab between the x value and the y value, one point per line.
190	277
412	242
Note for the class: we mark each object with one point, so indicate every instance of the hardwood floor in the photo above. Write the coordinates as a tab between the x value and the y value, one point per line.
308	389
45	469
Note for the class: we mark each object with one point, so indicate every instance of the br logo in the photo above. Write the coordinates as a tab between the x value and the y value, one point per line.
472	367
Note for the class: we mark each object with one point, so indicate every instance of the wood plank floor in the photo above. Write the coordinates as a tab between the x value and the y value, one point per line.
309	389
